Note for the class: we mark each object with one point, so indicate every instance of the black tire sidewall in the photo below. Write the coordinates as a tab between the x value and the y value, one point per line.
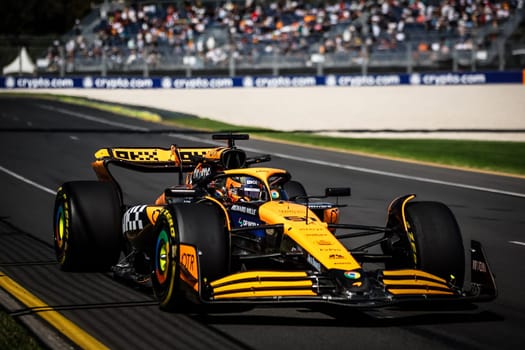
201	225
438	243
197	224
92	232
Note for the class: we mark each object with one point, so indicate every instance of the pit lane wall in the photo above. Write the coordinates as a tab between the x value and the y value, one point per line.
472	105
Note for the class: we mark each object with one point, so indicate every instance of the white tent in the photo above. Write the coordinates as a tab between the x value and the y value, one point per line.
21	64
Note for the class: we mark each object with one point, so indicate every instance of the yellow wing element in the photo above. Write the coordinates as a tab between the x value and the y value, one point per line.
142	154
404	282
173	154
173	159
263	284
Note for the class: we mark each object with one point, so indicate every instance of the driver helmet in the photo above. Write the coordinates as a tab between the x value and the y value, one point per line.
251	192
247	189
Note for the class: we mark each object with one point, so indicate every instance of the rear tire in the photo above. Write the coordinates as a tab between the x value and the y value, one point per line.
200	225
87	226
433	244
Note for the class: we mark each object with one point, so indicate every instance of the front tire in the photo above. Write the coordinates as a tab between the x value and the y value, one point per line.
87	217
199	225
433	242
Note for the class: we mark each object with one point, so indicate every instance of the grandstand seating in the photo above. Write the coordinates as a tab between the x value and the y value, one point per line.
171	35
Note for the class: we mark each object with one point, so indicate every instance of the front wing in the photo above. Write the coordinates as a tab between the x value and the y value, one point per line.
362	289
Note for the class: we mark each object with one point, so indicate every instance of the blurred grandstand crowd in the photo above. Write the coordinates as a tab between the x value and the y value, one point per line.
128	33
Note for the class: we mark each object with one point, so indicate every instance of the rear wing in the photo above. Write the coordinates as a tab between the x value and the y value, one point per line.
153	160
174	159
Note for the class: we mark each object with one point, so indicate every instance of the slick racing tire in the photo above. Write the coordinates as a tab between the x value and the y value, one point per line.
177	276
87	226
433	243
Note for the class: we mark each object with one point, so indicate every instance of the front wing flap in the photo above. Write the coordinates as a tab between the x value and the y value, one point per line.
366	289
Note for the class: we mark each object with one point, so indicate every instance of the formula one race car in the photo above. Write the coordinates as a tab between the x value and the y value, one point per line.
235	232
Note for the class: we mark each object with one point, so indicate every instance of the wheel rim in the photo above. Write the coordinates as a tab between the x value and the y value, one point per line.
60	226
162	253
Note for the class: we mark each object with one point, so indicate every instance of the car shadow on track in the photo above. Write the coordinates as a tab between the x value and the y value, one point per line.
353	318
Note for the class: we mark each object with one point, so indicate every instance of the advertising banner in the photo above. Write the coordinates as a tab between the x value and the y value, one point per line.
123	82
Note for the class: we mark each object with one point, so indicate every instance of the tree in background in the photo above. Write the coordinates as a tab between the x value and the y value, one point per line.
41	17
36	23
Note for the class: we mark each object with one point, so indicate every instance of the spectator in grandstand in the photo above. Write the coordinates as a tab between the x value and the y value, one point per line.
131	34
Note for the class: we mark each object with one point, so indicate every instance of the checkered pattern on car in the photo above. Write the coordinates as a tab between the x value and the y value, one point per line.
132	218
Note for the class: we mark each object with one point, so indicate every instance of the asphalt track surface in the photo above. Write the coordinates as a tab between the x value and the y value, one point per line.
489	208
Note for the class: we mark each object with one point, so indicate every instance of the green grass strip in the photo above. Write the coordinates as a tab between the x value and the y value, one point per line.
14	335
503	157
497	156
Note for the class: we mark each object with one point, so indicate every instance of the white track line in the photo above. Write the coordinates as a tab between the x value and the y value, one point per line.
285	156
27	181
77	115
52	192
369	171
282	155
93	119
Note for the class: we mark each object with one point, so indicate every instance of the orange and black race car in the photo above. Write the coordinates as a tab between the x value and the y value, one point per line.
235	232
